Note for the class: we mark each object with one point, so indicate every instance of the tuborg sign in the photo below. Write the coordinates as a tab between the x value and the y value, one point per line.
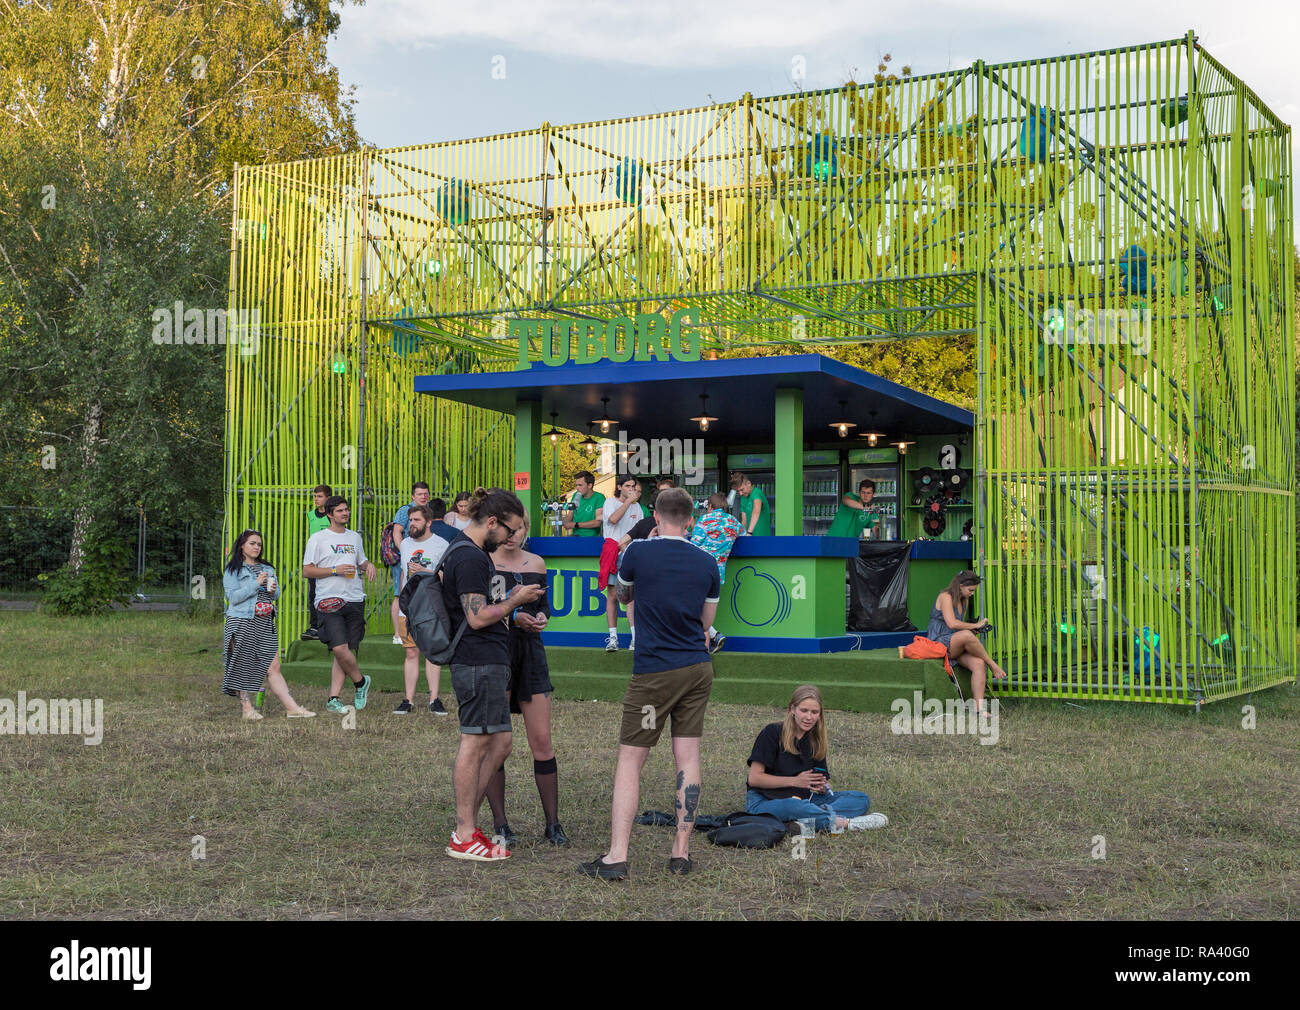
649	336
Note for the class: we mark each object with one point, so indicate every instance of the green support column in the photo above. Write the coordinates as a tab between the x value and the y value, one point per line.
789	463
528	458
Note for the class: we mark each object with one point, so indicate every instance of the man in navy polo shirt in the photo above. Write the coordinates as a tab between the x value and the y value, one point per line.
676	588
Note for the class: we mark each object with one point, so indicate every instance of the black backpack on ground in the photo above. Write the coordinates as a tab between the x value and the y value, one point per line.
427	622
749	831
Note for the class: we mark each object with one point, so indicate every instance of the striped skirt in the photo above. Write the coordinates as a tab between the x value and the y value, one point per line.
250	648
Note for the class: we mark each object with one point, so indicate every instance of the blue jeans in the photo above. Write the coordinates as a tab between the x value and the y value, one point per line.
842	804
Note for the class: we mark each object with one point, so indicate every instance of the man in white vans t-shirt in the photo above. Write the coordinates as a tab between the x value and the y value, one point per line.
335	558
421	552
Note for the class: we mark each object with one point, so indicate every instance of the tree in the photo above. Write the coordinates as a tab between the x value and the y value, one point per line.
120	125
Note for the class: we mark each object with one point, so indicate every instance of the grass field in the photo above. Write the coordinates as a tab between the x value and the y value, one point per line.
310	820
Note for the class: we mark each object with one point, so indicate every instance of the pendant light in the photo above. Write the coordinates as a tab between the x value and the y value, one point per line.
605	421
843	426
554	433
871	434
704	420
902	446
588	444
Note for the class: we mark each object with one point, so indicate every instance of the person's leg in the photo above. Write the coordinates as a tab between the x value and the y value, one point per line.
967	643
393	609
246	702
850	803
494	791
537	725
345	664
411	673
465	782
336	674
686	752
493	769
432	674
611	610
788	809
627	794
275	680
978	678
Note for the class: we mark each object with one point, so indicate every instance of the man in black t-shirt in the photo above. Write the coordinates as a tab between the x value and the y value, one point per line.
676	586
475	595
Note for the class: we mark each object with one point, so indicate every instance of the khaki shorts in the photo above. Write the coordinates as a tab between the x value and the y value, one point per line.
682	694
400	629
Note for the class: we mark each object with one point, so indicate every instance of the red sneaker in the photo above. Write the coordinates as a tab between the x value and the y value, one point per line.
478	849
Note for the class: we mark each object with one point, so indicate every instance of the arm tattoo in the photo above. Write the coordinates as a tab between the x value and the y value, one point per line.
473	602
692	802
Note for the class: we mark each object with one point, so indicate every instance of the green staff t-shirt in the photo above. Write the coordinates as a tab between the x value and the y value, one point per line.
585	510
316	521
850	522
762	528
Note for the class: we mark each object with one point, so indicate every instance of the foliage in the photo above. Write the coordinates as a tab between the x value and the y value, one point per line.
100	582
120	126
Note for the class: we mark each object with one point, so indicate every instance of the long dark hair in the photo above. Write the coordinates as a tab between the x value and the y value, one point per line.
954	588
237	553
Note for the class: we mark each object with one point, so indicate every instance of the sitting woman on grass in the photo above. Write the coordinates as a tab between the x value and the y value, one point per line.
788	774
958	635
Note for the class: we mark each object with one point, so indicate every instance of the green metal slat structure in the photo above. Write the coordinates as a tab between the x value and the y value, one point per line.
1108	232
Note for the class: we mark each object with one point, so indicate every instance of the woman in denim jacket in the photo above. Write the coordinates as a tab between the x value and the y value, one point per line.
252	648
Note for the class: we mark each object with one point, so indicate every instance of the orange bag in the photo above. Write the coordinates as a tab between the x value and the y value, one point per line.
926	648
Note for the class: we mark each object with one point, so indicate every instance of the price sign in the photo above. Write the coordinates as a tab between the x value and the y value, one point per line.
521	481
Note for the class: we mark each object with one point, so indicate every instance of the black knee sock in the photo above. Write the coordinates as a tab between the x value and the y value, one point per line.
496	796
548	788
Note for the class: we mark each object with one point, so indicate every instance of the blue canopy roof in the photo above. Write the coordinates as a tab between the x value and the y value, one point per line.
654	399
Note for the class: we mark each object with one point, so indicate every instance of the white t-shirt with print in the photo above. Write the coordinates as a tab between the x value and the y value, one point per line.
618	530
427	552
326	549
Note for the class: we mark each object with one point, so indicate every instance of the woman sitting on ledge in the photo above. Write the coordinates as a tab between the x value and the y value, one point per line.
959	637
788	774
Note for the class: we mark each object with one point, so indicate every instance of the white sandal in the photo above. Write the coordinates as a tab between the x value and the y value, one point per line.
302	713
253	715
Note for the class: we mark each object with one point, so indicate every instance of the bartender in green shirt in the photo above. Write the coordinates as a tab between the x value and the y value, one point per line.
587	504
755	512
853	516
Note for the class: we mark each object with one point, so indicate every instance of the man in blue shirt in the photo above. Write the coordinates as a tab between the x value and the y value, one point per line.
676	587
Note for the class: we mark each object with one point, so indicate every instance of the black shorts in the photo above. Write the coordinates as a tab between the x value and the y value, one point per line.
346	626
483	704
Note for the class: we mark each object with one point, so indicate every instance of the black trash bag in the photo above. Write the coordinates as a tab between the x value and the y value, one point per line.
878	587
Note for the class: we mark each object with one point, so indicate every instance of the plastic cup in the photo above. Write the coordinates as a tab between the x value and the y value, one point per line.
836	827
807	827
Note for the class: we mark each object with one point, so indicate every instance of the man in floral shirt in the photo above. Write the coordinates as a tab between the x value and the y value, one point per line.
715	532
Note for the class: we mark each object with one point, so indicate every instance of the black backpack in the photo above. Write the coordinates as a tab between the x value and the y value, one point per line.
427	622
749	831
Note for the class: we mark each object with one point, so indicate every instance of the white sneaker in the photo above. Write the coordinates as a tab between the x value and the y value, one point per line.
631	646
611	643
397	639
867	821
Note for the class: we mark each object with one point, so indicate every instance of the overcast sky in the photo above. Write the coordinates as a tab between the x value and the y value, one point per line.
424	69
